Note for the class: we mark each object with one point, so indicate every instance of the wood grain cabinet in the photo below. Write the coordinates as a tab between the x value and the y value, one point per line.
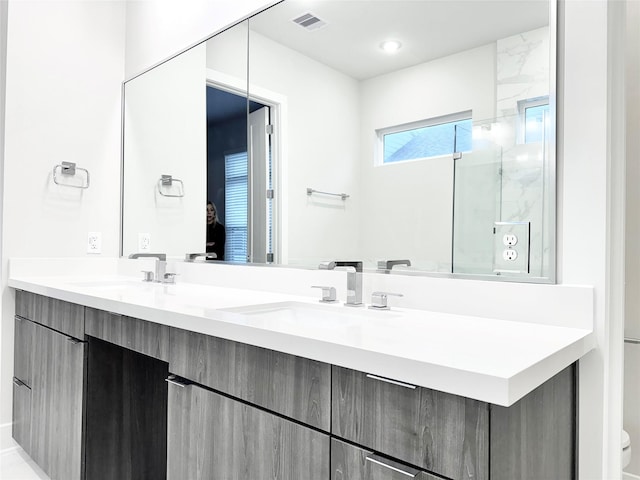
126	414
48	402
452	436
65	317
144	337
236	411
293	386
439	432
352	463
211	436
22	381
57	403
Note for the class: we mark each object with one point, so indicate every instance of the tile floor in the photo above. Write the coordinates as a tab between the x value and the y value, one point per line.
16	465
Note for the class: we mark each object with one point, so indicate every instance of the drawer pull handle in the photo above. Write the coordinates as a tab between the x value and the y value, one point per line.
409	472
74	341
172	379
394	382
18	383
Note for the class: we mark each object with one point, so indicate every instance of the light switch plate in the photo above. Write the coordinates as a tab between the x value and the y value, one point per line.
511	247
94	242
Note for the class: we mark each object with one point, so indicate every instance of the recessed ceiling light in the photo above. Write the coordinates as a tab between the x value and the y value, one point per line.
390	46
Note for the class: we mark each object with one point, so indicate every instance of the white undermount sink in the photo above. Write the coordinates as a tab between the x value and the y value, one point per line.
300	312
100	283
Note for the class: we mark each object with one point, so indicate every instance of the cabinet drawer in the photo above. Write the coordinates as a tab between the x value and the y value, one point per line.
353	463
443	433
140	336
293	386
21	428
211	436
59	315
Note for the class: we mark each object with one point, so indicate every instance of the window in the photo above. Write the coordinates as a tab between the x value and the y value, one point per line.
428	138
236	206
533	115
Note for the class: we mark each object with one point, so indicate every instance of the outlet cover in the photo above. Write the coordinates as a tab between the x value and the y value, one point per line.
94	242
511	247
144	242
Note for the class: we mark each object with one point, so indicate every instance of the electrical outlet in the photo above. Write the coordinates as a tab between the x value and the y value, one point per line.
144	242
94	242
510	254
511	247
509	239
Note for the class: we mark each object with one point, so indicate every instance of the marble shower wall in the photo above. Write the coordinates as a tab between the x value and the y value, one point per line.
522	73
520	173
522	70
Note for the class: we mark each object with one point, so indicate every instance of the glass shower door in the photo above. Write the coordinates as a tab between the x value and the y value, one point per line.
476	207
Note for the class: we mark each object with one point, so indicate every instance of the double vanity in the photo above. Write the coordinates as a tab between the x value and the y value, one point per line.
116	378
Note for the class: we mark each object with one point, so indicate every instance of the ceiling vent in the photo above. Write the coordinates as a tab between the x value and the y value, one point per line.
309	21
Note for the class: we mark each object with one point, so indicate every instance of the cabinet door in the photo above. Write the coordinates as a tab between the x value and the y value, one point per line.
211	436
56	404
126	414
535	437
352	463
293	386
439	432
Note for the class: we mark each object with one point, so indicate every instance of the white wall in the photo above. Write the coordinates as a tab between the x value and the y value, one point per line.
159	29
166	134
632	287
6	334
322	127
457	83
584	195
64	71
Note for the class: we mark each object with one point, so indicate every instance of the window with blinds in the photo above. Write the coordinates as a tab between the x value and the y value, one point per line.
236	206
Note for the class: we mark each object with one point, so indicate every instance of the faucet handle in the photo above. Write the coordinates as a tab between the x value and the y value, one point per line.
169	278
379	300
328	294
148	275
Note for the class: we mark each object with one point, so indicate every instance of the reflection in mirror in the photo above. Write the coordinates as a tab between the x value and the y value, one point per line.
338	149
469	81
182	118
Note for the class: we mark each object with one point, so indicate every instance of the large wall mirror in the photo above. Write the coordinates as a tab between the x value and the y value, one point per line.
419	131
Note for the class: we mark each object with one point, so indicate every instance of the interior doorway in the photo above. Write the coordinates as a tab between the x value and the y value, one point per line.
240	173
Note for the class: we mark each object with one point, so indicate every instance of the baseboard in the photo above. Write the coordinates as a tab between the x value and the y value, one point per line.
6	440
629	476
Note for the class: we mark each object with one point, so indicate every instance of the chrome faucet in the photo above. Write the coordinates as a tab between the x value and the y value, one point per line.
354	280
387	265
161	274
190	257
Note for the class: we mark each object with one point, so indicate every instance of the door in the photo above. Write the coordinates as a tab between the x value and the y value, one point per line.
211	436
259	235
476	206
56	403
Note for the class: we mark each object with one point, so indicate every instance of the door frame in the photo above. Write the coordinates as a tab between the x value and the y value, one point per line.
278	105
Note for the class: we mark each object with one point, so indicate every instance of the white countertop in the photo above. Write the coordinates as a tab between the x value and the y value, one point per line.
496	361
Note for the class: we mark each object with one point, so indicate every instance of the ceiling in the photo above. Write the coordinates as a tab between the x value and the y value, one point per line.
428	29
